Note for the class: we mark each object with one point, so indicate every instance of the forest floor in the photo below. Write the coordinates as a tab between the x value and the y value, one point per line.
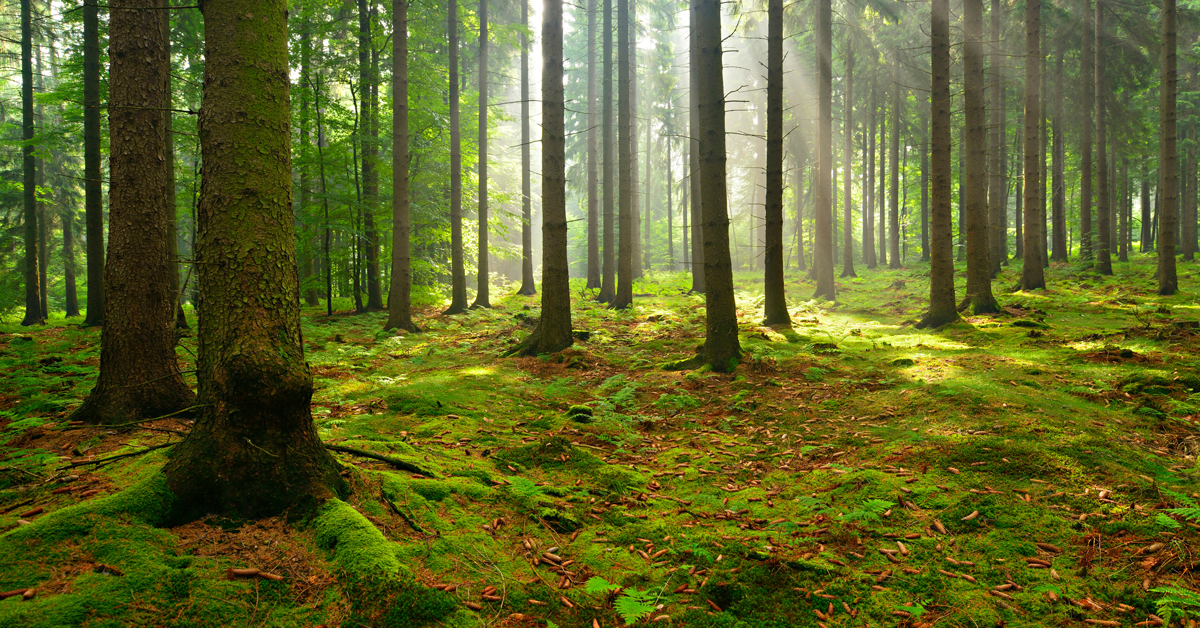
1015	469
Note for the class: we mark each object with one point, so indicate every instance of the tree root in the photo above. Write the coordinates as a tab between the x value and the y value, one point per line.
395	462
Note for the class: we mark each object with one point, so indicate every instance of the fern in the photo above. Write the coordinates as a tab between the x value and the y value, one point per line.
600	585
1190	509
1167	522
634	605
1177	602
870	511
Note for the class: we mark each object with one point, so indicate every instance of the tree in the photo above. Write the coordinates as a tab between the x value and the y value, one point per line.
979	278
775	305
624	296
527	283
593	167
1168	155
823	236
254	449
941	265
1058	194
1087	73
33	293
608	272
482	284
1032	275
847	135
553	331
93	194
139	373
997	186
400	294
697	265
370	155
1103	249
458	277
722	350
894	210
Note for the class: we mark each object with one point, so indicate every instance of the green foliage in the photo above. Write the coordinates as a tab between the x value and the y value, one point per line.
870	511
1176	602
631	604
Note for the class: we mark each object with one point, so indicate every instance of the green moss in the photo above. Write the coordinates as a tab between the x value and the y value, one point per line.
355	545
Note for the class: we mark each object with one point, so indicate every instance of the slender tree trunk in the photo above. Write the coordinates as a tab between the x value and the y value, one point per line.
801	263
1032	268
1187	230
697	265
925	189
1146	226
139	373
883	181
823	230
458	276
370	186
254	450
722	350
670	183
593	167
1168	156
869	190
483	279
997	166
775	303
43	212
527	283
608	291
979	283
33	296
942	308
328	235
400	294
644	233
553	332
172	206
894	210
635	210
624	296
308	265
1058	150
1103	200
1043	140
847	136
961	251
93	193
1088	95
1126	210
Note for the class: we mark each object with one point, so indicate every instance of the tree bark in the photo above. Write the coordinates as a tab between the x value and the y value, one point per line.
1032	268
847	136
942	308
458	277
608	292
882	258
139	373
1126	210
93	193
553	332
254	450
775	301
925	189
370	179
33	294
593	167
482	292
1145	229
1058	200
979	283
697	265
527	282
868	236
997	186
1087	73
1103	200
894	209
1168	156
823	229
624	295
400	293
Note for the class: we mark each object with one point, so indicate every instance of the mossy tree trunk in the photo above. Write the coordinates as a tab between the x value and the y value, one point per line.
722	350
775	307
400	293
941	265
139	373
254	449
1104	195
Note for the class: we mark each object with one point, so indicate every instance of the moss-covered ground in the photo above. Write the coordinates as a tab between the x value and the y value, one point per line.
1007	470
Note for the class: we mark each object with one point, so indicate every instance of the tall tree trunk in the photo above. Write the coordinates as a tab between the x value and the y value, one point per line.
527	283
1032	275
1087	73
553	332
1103	250
868	236
172	207
482	292
328	235
1145	228
883	181
823	229
1043	140
1168	156
847	137
624	296
697	265
800	202
979	283
1126	210
43	212
608	278
894	210
400	293
942	308
997	186
722	350
458	276
308	261
775	301
1059	192
635	210
139	373
593	167
254	449
670	184
644	233
961	252
1187	204
93	193
370	196
33	294
925	189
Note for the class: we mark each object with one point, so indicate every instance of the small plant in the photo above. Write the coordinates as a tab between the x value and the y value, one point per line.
815	373
631	604
1176	602
1190	509
870	511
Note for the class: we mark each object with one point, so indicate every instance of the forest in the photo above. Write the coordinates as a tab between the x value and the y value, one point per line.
743	314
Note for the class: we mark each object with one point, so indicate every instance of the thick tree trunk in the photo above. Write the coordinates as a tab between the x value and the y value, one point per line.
527	283
1168	156
458	276
93	193
894	209
942	308
823	229
483	279
624	295
593	167
722	349
775	304
254	450
697	249
400	294
608	277
847	136
1032	268
979	283
33	293
1087	73
1103	198
139	373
